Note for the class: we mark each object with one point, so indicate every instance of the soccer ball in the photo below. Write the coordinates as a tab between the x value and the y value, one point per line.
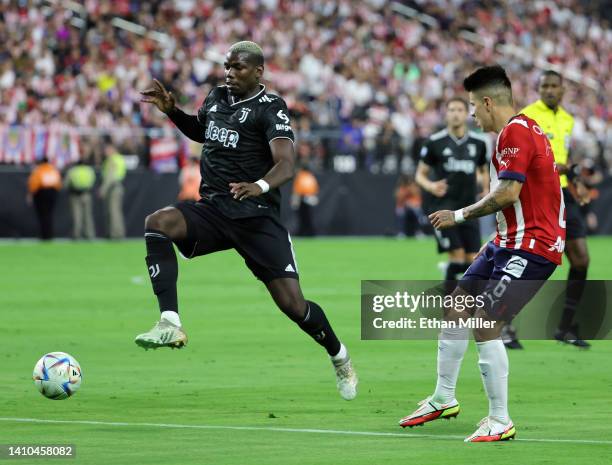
57	375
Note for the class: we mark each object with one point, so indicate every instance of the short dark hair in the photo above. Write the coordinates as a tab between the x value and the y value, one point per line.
550	72
494	80
460	100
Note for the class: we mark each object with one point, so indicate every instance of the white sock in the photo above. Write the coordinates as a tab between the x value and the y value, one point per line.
172	317
452	344
342	353
493	363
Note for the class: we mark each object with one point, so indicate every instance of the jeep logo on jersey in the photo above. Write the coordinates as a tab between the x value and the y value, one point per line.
227	137
457	166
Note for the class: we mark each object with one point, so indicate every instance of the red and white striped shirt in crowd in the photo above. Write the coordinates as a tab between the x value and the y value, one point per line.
536	221
16	145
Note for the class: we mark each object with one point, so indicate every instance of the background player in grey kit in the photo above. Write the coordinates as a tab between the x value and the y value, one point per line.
450	161
247	154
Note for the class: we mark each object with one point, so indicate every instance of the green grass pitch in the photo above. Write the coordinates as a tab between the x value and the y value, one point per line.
249	367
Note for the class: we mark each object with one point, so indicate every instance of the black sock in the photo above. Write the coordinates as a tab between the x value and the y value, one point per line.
315	324
163	269
452	271
576	280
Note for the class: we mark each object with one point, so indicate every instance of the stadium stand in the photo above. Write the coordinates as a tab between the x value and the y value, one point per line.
364	80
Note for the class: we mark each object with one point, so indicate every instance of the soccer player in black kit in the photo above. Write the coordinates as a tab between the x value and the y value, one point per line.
447	171
248	153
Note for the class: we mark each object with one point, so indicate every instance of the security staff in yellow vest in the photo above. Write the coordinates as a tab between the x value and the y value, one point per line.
111	191
557	124
80	180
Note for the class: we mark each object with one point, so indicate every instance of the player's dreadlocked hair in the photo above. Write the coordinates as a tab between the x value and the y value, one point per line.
255	52
491	81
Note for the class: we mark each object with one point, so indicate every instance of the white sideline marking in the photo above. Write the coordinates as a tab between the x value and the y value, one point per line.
287	430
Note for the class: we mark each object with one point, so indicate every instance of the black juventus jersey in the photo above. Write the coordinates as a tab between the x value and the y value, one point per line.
454	160
237	149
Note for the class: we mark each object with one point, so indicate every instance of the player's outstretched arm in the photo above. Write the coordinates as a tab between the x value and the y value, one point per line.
158	96
506	193
283	170
165	102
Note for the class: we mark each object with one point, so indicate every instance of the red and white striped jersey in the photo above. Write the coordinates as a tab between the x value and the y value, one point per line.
536	221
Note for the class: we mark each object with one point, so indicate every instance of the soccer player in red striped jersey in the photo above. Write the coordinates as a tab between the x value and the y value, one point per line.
526	196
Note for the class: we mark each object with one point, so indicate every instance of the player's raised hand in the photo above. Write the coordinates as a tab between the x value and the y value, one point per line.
244	190
159	96
442	219
439	188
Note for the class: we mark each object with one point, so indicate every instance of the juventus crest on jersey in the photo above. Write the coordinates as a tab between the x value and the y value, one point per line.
237	148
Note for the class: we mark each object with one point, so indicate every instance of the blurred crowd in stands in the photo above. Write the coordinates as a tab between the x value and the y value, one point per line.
365	80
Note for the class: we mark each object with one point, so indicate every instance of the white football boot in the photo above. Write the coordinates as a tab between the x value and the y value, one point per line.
163	334
490	429
346	378
429	410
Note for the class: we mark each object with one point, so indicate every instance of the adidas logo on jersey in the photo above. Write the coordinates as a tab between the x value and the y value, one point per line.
447	152
227	137
265	98
213	109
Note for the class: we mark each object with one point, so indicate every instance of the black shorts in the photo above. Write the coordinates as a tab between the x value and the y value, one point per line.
463	236
262	241
575	226
507	278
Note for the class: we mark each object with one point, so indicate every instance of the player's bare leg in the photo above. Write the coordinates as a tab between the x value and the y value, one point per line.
310	317
578	255
161	229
